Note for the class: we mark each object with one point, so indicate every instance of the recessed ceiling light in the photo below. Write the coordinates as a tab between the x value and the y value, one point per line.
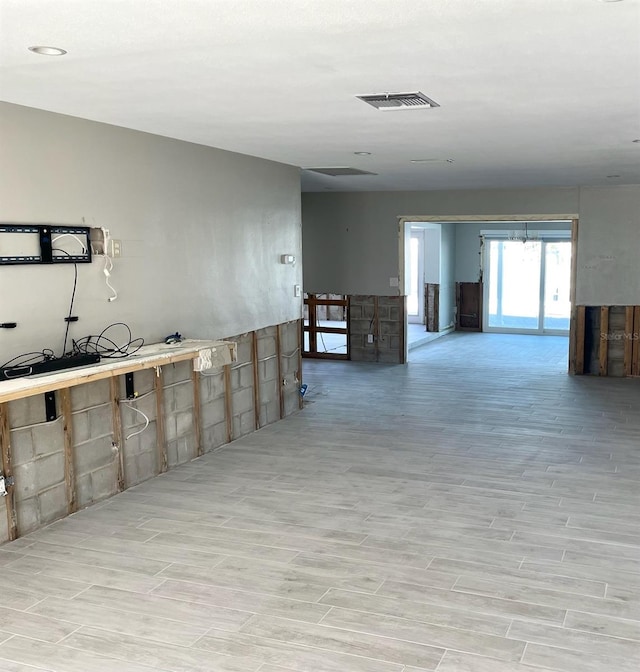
48	51
431	160
362	153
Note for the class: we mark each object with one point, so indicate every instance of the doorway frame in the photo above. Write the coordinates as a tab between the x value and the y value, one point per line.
573	217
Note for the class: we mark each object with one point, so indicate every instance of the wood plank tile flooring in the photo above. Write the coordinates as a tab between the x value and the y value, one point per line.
475	511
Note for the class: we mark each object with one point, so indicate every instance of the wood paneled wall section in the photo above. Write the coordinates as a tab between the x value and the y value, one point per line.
432	306
469	306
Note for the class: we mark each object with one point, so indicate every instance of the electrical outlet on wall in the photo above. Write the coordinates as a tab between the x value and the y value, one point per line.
116	248
369	338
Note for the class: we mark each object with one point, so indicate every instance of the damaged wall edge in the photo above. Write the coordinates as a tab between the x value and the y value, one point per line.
102	443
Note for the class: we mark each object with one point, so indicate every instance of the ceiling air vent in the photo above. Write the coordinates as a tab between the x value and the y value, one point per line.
339	172
399	101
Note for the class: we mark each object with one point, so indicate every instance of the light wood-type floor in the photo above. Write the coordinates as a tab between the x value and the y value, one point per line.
474	511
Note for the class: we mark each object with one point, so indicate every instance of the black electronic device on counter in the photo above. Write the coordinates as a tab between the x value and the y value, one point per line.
49	366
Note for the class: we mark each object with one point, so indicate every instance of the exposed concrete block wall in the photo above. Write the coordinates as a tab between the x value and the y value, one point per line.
179	413
242	400
95	457
268	379
290	366
361	324
38	466
212	409
139	450
268	362
383	317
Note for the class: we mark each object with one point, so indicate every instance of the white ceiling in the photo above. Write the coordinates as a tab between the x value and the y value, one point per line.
532	92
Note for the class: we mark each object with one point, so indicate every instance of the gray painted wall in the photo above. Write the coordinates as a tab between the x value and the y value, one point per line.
363	229
202	232
609	247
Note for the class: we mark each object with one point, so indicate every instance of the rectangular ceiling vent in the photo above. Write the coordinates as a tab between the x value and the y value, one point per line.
399	101
339	172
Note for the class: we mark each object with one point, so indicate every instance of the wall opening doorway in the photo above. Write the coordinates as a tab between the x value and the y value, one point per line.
527	283
427	268
465	249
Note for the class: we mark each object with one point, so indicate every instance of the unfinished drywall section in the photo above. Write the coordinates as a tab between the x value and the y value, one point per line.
202	232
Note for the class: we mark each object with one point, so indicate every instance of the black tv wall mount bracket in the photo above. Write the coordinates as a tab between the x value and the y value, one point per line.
39	247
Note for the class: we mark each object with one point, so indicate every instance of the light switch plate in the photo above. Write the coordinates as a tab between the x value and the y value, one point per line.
393	282
296	290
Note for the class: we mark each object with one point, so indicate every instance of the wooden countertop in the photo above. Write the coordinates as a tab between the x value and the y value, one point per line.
149	356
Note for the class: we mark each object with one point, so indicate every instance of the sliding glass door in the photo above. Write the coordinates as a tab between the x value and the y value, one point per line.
527	286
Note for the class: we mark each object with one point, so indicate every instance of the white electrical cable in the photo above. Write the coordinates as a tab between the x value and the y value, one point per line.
39	424
108	267
70	235
205	374
137	410
240	366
